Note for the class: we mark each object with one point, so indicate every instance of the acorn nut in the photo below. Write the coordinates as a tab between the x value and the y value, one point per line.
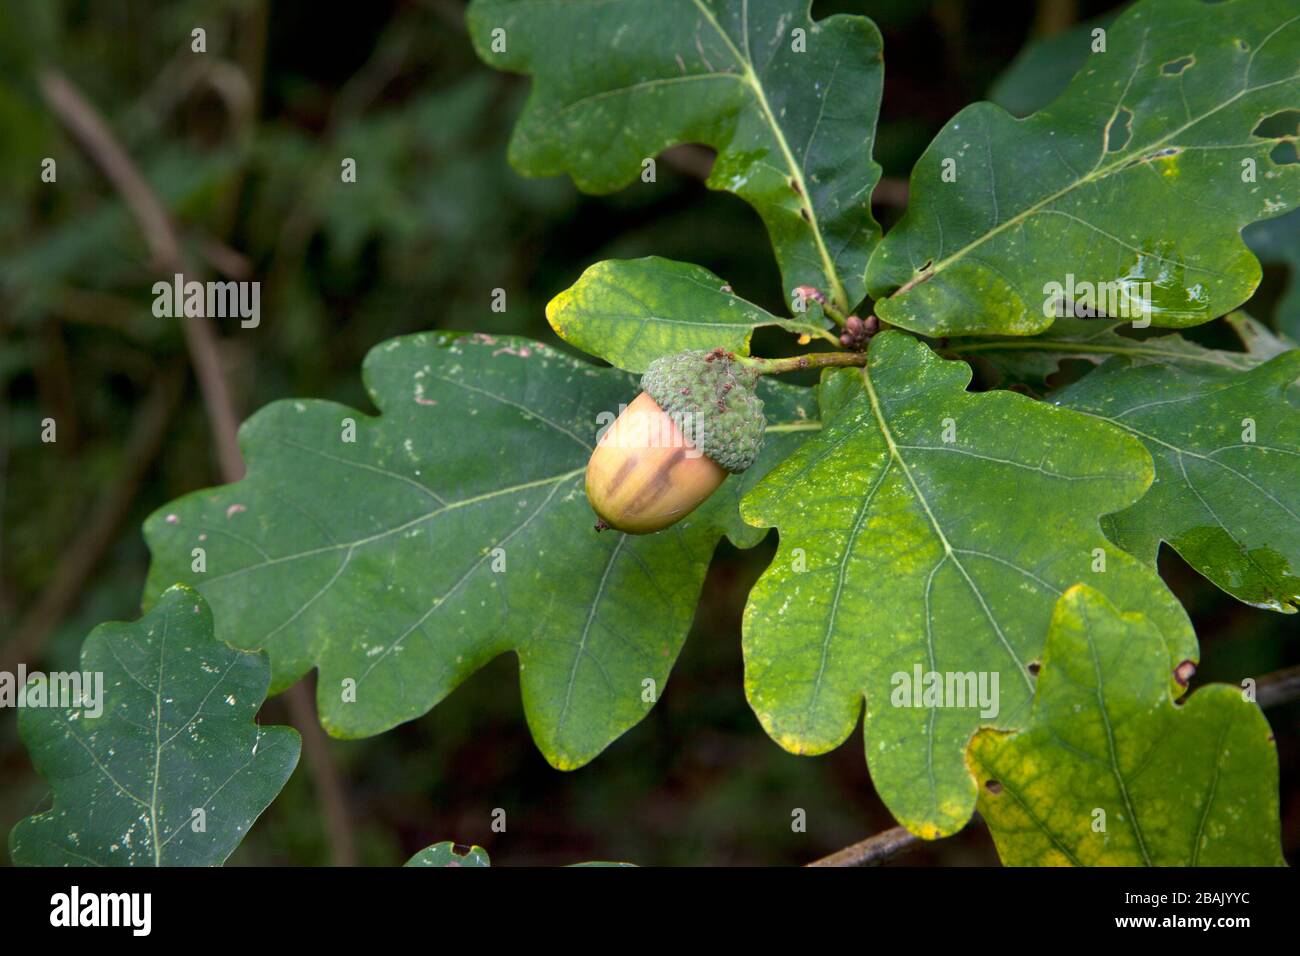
696	420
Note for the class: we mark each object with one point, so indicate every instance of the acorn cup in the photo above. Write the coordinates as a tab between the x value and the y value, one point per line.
696	420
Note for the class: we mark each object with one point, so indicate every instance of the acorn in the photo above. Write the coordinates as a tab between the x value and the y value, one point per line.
696	420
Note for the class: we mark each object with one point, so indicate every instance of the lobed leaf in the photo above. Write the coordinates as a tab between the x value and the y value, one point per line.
791	114
1108	184
1110	772
452	529
1226	447
631	312
902	551
1045	66
174	770
1277	242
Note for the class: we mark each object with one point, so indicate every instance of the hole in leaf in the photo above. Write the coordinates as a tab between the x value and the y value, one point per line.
1284	123
1284	154
1118	130
1183	673
1034	667
993	786
1178	66
1243	46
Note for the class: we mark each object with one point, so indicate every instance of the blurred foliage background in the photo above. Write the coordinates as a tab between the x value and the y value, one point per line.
243	145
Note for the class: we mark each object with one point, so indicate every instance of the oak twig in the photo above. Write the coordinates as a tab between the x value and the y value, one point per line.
872	851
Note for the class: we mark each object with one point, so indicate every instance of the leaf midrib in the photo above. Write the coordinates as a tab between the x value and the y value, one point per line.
1095	175
838	295
949	552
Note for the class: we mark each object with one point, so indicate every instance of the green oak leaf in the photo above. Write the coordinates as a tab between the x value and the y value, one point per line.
402	561
901	551
631	312
792	415
1277	241
789	103
1173	785
1044	68
1031	360
444	854
177	734
1108	184
1226	447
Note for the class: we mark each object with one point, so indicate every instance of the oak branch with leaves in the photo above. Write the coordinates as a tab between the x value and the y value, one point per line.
932	540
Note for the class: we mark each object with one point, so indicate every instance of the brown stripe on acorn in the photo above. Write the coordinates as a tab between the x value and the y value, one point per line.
696	420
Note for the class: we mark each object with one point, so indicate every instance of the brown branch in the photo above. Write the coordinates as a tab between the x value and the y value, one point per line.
320	763
1278	688
94	136
872	851
890	191
98	141
690	159
87	549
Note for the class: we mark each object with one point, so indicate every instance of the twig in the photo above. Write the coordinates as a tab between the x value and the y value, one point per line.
320	763
450	12
872	851
690	159
798	363
1277	688
87	549
94	136
890	191
98	141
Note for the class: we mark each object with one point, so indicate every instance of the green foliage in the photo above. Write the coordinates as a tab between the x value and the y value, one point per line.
631	313
793	128
1045	67
924	529
1277	241
1108	183
444	854
1227	490
402	559
1110	772
176	736
927	528
1030	361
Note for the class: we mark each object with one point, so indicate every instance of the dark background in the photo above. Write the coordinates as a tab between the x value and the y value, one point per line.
243	145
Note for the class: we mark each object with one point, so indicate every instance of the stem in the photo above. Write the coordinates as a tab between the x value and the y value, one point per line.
806	328
809	292
872	851
797	363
